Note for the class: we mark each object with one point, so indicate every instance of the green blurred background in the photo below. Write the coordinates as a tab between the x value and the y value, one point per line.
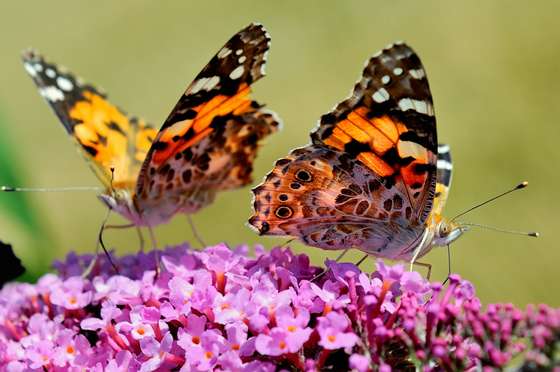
494	72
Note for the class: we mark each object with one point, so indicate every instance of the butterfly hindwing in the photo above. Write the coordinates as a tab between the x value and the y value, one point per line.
209	141
331	200
106	136
388	124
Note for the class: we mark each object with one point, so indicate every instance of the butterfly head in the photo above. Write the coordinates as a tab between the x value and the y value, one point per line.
447	231
122	202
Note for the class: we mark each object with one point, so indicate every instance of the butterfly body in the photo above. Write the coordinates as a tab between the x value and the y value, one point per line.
206	145
373	177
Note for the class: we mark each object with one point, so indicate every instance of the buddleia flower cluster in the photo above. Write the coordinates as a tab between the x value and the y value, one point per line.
225	310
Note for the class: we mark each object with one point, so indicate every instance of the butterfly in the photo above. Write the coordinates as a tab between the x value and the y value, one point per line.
373	177
207	143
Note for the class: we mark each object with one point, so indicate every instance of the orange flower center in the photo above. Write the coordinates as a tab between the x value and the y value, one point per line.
196	340
73	300
140	331
331	338
70	349
235	347
292	328
282	345
208	354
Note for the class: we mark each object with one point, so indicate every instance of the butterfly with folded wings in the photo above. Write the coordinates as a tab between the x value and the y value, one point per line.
207	144
373	177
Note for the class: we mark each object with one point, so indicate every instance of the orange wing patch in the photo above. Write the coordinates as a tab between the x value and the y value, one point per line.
184	134
379	144
111	139
379	135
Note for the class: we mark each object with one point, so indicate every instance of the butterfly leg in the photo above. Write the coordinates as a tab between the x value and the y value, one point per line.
326	270
99	242
361	260
140	238
288	242
418	249
448	264
155	249
195	231
426	265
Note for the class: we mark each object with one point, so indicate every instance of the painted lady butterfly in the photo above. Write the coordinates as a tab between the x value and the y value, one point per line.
207	144
373	177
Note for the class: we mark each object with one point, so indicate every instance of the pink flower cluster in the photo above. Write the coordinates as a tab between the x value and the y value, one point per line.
219	309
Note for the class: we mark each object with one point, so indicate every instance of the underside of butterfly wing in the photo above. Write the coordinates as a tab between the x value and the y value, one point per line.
329	200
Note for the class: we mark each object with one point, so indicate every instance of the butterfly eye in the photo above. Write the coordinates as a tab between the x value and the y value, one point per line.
303	176
284	212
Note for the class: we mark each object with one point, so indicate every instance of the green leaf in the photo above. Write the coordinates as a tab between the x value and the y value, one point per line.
15	205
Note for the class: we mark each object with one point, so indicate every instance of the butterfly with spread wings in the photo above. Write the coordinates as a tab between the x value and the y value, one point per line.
206	145
373	177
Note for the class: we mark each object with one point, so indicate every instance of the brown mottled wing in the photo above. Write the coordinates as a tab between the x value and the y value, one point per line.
388	125
209	141
106	136
330	200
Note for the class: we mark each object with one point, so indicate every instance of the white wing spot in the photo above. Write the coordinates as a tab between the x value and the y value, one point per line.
397	71
64	84
241	59
422	107
52	94
444	164
381	95
197	86
386	79
50	73
417	74
203	84
212	82
30	70
38	67
224	52
236	74
443	149
239	51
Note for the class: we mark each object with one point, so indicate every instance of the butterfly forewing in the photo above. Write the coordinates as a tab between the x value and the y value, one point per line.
209	141
388	124
106	136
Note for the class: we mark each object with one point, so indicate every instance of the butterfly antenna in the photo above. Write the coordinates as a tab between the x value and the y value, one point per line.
533	234
520	186
50	189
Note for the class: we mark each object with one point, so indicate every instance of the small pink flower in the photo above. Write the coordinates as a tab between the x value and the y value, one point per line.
71	294
222	310
333	330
